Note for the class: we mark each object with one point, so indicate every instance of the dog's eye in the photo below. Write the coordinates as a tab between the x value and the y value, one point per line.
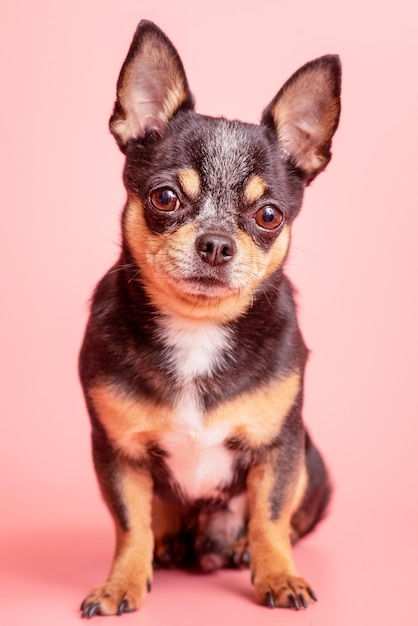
164	199
269	217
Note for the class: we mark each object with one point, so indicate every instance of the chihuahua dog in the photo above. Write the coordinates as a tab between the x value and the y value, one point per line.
192	363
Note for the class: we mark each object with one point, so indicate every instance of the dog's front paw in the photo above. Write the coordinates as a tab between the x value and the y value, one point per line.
114	598
283	590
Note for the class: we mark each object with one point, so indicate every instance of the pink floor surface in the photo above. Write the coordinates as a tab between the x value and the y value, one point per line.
354	262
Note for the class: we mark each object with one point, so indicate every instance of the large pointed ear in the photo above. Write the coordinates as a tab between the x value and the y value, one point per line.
305	114
152	86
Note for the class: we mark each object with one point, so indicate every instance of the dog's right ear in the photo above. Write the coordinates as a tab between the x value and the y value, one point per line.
152	87
305	115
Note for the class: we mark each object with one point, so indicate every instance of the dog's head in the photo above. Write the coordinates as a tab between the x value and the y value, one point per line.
210	201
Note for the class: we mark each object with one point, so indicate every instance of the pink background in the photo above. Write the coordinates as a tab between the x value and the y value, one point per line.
354	261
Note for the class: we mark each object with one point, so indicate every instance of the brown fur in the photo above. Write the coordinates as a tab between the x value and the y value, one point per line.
131	574
192	363
190	182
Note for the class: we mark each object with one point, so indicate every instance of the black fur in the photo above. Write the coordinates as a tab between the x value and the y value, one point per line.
125	349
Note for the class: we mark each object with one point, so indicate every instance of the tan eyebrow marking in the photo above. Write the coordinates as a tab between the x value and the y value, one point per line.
254	189
190	181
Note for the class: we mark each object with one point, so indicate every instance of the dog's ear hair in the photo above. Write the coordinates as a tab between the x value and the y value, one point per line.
305	115
152	87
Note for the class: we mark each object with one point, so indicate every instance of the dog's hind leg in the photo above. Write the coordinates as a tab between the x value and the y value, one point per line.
173	543
220	536
316	496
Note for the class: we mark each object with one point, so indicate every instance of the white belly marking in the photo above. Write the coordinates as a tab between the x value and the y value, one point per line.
197	457
198	460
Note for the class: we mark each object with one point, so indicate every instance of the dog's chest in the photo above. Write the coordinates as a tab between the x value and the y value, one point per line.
196	455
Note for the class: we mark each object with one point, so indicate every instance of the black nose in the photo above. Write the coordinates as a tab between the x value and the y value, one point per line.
215	249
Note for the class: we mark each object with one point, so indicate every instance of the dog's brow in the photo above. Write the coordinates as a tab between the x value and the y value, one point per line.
254	188
190	182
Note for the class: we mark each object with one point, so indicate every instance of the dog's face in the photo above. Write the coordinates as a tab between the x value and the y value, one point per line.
209	213
211	202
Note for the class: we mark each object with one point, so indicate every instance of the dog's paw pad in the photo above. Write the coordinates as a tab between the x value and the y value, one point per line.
284	591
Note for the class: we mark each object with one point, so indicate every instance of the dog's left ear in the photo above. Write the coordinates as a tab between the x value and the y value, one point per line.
305	115
152	87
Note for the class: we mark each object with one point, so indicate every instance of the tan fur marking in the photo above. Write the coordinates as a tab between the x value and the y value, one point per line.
134	548
166	524
254	189
270	541
132	564
190	182
191	306
130	423
166	518
257	416
174	97
304	125
299	494
261	264
300	488
278	251
164	259
139	94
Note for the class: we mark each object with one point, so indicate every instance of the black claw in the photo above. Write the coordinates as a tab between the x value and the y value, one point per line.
252	577
311	593
246	559
270	600
149	585
293	599
91	609
239	559
95	609
303	601
123	607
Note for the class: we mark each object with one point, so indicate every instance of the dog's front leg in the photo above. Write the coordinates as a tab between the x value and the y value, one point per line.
128	493
273	488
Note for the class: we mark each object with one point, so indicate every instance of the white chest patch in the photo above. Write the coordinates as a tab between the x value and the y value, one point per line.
195	347
197	458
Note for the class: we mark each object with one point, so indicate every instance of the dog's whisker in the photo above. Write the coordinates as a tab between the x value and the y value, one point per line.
134	276
122	267
307	252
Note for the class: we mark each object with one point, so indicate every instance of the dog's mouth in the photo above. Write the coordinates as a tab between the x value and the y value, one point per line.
205	286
